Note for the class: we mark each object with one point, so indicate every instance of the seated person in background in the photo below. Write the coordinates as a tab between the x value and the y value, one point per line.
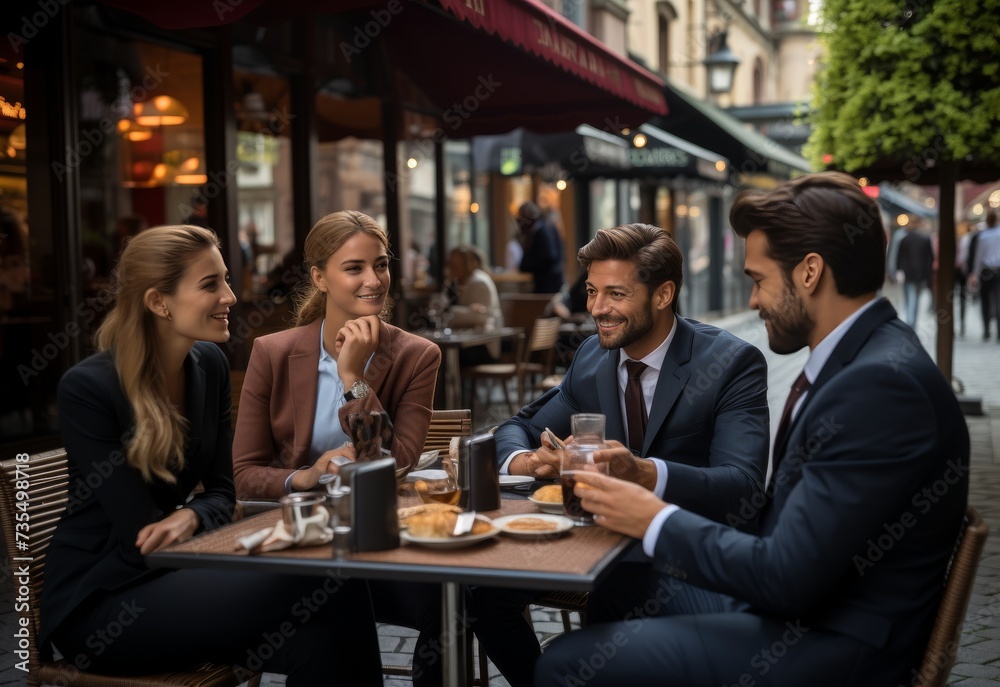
302	384
868	434
143	422
477	304
686	409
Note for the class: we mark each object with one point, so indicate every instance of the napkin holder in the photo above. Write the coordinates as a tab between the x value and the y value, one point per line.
478	475
374	522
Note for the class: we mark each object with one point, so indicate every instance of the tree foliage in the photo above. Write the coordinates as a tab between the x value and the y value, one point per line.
908	79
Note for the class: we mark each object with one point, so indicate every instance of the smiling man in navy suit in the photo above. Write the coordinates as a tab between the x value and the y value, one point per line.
686	409
841	584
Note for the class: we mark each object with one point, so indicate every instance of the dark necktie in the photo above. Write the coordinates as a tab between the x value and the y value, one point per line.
800	386
635	405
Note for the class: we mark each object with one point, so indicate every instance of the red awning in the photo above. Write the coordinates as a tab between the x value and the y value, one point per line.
490	66
541	31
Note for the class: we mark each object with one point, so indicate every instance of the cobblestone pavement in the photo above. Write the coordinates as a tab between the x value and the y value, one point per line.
976	365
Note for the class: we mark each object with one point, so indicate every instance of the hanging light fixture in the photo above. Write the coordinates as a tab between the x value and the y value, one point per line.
133	131
163	110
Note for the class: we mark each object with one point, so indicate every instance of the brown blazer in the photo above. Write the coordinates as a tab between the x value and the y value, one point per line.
278	403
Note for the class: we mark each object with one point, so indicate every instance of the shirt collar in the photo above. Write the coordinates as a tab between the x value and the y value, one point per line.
824	349
324	357
656	357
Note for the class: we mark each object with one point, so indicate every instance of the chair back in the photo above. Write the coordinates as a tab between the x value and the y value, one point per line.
942	648
524	309
34	491
446	424
544	335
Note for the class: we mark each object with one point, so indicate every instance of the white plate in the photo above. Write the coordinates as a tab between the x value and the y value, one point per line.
515	480
561	524
548	507
426	474
426	458
448	542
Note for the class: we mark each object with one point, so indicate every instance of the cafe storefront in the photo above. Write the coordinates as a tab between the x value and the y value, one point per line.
255	118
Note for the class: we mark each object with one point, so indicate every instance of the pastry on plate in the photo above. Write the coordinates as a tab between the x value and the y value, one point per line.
551	493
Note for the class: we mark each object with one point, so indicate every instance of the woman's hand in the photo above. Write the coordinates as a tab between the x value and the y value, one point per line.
355	343
616	504
173	529
327	464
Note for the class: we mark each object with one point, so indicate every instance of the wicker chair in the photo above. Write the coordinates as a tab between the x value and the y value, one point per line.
44	477
446	424
942	648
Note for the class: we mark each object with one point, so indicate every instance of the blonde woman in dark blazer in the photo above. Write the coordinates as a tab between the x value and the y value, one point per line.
302	384
143	422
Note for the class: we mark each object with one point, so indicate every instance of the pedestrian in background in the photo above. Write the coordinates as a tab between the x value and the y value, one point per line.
915	260
986	272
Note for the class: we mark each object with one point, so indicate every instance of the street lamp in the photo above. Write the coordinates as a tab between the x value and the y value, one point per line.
721	66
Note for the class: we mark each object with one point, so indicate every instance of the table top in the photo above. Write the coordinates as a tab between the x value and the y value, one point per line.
575	561
467	337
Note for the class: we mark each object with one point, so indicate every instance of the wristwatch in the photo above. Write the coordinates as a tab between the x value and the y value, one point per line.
359	389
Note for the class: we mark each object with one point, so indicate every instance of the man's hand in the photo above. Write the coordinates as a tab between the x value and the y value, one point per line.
541	464
616	504
624	465
355	343
173	529
328	463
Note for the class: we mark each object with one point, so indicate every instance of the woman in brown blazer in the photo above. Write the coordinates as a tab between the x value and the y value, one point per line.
341	358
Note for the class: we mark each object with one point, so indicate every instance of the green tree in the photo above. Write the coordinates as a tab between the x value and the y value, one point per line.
911	90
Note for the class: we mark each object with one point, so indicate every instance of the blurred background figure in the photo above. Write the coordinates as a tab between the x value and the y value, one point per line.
415	266
915	263
962	268
514	251
543	248
986	271
476	304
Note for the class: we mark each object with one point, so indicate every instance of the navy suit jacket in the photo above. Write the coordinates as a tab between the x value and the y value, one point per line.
708	422
93	549
869	496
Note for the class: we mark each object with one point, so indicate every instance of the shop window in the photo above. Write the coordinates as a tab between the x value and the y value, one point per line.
417	234
141	151
264	192
30	344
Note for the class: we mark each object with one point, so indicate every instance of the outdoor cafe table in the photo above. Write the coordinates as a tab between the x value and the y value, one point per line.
453	340
576	561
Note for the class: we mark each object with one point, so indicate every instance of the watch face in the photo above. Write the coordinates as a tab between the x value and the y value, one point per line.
359	389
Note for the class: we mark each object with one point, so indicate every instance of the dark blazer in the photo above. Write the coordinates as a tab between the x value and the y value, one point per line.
709	417
869	496
93	549
916	257
278	402
543	257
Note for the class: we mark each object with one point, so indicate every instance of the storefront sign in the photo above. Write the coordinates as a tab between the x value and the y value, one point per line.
510	160
659	157
12	110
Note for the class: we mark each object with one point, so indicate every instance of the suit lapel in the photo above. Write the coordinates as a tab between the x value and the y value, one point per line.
673	377
194	399
303	381
846	350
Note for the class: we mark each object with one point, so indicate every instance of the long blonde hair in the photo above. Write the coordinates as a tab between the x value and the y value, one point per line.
324	239
154	259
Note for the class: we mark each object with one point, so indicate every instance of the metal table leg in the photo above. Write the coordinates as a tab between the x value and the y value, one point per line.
453	630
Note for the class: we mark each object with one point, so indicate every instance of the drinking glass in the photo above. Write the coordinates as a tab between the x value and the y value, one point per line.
578	456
